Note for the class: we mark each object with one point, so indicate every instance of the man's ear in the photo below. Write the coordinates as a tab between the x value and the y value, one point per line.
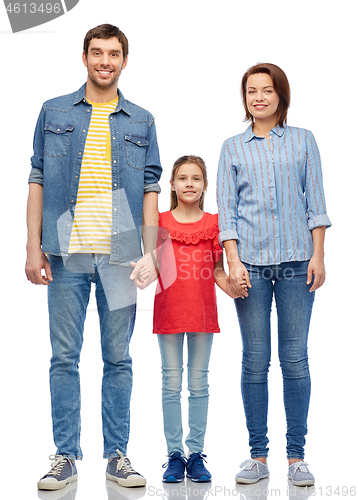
84	58
125	62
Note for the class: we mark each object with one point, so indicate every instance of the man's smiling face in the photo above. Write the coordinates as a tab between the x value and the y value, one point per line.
104	62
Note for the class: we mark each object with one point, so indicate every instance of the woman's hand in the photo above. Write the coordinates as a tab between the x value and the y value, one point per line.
316	267
238	280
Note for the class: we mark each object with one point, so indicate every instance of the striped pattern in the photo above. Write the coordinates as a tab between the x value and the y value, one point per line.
91	231
269	200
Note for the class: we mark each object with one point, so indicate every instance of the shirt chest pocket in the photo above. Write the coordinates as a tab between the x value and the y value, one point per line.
57	139
136	148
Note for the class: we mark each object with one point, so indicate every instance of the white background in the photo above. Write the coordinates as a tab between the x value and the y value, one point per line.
186	60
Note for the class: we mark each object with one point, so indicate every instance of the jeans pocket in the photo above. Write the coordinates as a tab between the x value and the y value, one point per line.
57	139
136	148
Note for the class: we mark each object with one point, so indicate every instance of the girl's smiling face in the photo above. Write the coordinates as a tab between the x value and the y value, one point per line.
261	97
188	183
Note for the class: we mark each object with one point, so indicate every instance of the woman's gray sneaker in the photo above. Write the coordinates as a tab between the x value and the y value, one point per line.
119	469
63	471
252	471
300	475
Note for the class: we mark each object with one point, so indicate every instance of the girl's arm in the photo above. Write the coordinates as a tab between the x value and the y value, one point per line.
222	279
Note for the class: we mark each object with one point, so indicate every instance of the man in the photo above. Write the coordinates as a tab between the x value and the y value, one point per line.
93	183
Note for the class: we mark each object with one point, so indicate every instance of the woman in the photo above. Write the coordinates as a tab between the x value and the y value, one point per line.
272	220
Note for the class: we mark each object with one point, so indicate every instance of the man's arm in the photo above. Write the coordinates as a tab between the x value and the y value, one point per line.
36	260
150	221
145	268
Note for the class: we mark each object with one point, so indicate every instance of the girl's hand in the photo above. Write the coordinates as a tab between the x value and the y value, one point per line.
316	267
230	291
144	272
239	280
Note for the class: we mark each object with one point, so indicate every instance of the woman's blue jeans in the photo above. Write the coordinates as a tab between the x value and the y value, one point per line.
287	282
171	349
68	296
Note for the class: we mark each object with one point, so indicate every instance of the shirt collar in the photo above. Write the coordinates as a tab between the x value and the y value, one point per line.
248	134
122	103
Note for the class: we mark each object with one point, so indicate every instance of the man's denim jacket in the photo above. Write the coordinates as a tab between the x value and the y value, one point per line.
59	143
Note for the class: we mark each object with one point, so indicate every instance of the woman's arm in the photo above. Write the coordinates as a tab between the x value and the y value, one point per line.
222	279
316	264
237	271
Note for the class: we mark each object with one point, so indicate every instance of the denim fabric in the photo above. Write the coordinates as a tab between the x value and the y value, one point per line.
59	143
68	296
287	283
171	349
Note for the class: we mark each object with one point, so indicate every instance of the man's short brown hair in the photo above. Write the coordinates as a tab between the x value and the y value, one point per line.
106	31
280	84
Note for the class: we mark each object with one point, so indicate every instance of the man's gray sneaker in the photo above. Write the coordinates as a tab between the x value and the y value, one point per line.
300	475
252	471
119	469
63	471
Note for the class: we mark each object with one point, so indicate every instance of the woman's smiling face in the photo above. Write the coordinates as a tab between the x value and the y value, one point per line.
261	97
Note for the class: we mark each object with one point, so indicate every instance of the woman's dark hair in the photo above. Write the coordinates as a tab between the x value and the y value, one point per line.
106	31
280	84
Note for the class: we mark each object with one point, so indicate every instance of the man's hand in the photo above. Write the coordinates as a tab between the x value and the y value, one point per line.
37	261
145	271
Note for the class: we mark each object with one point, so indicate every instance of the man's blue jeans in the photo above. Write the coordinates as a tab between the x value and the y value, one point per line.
171	350
287	282
68	296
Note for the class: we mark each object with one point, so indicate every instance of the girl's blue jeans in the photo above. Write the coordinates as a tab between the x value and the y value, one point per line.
286	282
171	349
68	296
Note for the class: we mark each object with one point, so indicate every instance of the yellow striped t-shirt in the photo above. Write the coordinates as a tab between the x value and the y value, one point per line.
91	231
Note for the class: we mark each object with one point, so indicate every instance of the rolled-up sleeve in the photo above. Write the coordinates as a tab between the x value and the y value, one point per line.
315	199
37	160
227	196
153	169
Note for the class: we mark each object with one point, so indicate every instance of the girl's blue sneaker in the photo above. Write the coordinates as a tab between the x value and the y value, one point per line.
196	470
175	468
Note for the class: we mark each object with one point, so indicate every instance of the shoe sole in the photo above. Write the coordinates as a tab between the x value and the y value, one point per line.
202	479
172	479
128	483
308	482
56	486
243	480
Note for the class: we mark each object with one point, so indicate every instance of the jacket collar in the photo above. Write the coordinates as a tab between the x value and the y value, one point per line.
121	106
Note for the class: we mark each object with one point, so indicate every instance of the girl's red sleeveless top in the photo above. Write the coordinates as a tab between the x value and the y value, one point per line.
185	300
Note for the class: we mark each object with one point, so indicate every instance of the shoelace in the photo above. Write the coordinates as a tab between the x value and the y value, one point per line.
198	457
124	464
250	464
57	465
301	466
172	459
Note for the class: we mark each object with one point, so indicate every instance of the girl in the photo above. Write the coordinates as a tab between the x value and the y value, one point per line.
190	262
272	218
